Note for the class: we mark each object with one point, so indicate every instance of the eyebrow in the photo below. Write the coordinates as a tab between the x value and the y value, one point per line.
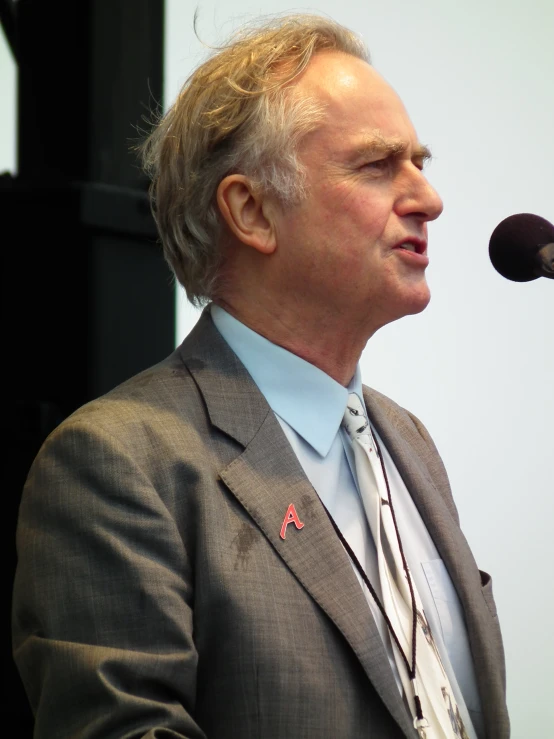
377	144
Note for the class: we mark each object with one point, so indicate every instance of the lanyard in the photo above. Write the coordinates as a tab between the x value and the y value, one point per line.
411	668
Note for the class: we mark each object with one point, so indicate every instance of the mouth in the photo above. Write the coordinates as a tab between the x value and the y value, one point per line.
416	246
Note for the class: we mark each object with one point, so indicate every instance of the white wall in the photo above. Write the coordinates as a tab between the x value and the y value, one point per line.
478	365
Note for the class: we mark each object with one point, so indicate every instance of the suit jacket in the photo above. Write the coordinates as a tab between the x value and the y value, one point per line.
154	596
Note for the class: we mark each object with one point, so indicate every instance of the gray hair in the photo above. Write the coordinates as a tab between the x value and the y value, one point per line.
237	113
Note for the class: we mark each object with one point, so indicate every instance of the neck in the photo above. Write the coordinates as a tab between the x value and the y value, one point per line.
330	343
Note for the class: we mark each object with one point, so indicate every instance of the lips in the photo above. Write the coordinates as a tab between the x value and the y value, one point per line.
416	246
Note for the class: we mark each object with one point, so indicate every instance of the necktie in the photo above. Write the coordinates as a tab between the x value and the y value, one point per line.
426	685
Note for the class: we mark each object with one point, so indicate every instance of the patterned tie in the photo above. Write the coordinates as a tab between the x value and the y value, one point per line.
428	691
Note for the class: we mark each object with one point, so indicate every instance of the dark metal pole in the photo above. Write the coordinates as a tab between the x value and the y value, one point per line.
8	23
88	299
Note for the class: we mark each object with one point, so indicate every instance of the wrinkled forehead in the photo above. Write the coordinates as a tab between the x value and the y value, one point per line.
358	102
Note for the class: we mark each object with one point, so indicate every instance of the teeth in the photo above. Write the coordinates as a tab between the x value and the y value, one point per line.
409	247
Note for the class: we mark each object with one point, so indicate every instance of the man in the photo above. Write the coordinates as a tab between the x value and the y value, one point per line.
195	554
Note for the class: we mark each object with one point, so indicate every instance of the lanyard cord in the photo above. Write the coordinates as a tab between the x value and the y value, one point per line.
411	668
371	589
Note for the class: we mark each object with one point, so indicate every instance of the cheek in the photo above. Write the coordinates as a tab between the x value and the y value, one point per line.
363	213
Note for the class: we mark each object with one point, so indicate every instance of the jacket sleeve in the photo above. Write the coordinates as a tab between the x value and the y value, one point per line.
102	619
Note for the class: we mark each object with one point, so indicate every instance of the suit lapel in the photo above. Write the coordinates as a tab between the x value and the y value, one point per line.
409	450
404	447
266	478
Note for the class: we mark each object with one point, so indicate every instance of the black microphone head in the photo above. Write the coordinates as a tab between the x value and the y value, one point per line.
515	243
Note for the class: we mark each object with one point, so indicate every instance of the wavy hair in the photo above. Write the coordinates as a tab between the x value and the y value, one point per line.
236	113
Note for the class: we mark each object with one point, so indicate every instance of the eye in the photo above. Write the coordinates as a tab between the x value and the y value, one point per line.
378	165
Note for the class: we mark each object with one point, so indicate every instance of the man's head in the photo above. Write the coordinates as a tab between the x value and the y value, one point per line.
351	255
237	113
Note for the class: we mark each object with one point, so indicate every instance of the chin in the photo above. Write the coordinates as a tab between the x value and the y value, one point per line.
413	300
420	304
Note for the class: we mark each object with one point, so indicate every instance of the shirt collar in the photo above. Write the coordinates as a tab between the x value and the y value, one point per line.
310	401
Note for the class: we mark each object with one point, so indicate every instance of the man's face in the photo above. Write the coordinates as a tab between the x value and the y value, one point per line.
357	245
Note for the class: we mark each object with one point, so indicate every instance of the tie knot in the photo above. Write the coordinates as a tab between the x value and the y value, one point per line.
354	419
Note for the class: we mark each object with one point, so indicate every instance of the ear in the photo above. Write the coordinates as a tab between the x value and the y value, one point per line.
247	213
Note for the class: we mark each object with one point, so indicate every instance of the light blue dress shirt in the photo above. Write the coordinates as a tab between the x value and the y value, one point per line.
309	406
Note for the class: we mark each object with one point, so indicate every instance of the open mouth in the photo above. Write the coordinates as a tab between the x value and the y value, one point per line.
415	246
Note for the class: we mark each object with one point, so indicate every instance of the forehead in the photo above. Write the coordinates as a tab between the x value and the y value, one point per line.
359	104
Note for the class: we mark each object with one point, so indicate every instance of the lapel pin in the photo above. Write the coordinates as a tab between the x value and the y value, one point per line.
291	516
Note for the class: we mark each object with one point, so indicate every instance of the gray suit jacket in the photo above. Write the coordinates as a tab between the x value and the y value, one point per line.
154	596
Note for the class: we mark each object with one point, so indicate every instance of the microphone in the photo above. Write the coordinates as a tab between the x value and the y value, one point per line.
521	248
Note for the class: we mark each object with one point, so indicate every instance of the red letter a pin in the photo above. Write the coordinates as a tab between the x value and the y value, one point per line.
290	517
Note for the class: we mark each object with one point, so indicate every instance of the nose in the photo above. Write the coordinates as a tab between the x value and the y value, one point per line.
418	197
